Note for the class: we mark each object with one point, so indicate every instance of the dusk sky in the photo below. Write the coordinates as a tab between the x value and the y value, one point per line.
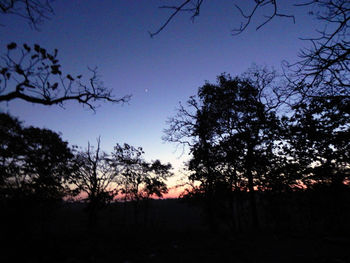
158	72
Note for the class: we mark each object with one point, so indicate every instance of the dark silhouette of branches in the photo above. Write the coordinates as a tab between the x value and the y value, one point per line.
231	127
194	8
33	11
260	4
34	75
94	176
92	180
323	69
137	178
180	130
190	6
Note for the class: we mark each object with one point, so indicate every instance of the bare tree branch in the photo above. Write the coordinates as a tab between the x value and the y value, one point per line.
33	11
323	69
195	10
34	75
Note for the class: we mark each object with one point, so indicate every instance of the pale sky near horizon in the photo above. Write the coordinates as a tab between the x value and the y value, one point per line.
158	72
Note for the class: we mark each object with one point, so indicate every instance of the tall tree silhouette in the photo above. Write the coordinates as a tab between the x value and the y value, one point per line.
93	177
35	167
234	134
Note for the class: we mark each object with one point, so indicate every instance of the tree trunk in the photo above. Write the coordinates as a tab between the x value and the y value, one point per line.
252	196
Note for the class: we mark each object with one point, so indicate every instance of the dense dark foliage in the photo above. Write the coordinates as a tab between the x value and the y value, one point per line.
35	163
244	150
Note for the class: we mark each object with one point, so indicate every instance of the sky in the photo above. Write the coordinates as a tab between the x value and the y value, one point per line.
158	72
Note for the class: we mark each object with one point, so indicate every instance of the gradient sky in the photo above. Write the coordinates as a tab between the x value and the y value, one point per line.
113	35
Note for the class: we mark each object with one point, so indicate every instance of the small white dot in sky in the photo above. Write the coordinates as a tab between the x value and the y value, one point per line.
146	90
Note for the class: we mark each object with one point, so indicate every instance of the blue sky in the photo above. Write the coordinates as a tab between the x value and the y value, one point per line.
158	72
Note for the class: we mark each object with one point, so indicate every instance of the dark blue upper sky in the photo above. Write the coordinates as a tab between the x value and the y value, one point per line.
159	72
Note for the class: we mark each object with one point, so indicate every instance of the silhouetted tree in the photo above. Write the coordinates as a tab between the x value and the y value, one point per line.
34	162
233	134
35	166
129	163
319	141
155	184
93	177
139	180
34	75
11	147
46	162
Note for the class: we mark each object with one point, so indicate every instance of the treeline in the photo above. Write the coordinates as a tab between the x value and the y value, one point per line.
253	138
40	170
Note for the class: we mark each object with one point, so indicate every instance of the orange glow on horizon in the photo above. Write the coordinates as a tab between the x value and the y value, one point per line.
173	193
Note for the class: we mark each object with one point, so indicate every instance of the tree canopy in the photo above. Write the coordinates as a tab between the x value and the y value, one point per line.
34	162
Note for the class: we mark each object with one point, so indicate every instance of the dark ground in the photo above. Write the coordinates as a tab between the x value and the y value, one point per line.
171	231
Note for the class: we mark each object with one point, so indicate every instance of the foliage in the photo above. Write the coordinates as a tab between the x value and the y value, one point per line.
228	125
319	141
240	142
139	179
34	162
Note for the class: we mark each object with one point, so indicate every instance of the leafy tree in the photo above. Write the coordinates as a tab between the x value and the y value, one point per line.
155	184
34	162
319	141
233	134
47	162
139	179
35	165
10	152
130	165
